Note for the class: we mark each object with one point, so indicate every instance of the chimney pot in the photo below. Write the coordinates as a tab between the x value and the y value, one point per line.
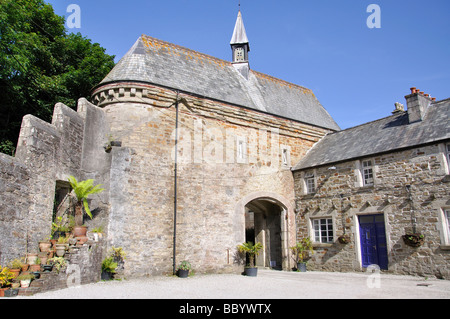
413	90
433	99
421	92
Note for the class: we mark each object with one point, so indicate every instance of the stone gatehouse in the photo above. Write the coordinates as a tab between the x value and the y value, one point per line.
198	155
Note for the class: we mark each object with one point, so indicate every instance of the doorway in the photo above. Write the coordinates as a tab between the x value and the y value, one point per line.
372	233
263	223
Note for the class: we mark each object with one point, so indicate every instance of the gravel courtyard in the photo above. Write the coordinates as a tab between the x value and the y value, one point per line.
267	285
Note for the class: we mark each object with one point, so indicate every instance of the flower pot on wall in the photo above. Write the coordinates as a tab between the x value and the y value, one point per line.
79	231
45	246
60	250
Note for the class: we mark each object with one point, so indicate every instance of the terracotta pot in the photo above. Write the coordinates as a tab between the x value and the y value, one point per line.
34	268
15	272
31	258
79	231
25	267
45	246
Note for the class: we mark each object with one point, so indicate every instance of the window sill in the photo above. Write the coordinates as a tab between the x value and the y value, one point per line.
320	245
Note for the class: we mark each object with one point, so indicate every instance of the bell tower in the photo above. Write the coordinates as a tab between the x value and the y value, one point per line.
240	47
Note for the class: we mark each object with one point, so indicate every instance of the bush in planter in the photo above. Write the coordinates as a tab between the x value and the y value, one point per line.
25	280
6	277
302	250
58	263
183	269
83	190
108	268
252	250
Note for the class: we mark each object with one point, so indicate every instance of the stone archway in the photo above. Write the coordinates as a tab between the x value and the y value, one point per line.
271	216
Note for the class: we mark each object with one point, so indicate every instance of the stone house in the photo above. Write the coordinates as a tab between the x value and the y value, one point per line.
375	183
196	153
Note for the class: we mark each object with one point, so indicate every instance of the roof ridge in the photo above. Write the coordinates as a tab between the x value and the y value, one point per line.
179	47
371	122
224	62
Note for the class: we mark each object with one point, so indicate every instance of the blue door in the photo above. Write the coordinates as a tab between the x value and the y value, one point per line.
372	234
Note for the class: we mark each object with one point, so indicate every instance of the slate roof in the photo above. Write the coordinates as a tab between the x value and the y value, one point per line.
381	136
161	63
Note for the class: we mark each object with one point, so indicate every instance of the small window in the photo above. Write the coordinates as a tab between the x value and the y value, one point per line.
323	230
447	149
241	150
310	183
447	223
239	55
367	172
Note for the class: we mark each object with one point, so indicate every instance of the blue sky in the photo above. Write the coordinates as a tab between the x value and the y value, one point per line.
357	73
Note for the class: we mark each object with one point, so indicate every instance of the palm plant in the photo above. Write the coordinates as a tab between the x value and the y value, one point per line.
251	250
82	190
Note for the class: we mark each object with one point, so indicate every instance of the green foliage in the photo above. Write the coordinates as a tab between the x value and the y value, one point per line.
58	263
302	249
185	265
41	64
109	265
83	190
251	250
6	276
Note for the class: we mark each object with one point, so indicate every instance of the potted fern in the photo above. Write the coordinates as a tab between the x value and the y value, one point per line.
252	250
82	190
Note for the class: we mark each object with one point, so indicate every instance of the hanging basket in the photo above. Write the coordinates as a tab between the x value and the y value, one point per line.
344	239
414	240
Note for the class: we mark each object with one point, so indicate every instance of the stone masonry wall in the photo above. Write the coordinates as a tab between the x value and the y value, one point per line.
213	186
46	153
339	196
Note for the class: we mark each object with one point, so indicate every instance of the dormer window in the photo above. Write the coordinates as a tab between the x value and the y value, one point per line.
239	55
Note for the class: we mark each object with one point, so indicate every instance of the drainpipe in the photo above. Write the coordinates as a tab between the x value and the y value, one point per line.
175	190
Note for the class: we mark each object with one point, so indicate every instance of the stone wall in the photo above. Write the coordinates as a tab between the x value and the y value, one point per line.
212	182
47	153
340	196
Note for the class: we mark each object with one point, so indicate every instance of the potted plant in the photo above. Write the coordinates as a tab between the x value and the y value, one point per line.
252	250
98	233
25	280
6	277
344	239
301	251
183	269
15	266
36	267
83	190
61	246
414	240
45	245
108	268
58	263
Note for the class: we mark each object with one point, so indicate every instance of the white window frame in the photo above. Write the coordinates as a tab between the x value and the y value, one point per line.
447	153
309	179
318	236
446	224
241	150
367	169
240	54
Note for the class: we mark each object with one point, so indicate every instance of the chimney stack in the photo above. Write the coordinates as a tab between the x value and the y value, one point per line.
417	103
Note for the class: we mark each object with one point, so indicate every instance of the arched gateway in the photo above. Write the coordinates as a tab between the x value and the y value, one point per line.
268	218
